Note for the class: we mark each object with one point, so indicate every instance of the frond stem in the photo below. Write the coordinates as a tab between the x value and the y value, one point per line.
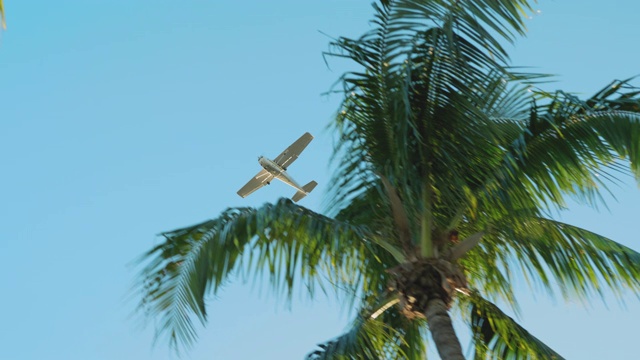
426	241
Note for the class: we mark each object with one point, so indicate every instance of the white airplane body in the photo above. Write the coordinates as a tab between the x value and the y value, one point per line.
277	168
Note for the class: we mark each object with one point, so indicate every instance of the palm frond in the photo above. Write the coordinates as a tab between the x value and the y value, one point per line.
3	24
423	65
488	269
569	146
286	242
398	212
366	339
579	261
390	336
498	336
472	18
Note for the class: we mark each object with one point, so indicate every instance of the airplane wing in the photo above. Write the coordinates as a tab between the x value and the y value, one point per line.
258	181
292	152
286	180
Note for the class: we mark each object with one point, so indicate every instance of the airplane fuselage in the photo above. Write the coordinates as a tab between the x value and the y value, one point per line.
278	172
277	169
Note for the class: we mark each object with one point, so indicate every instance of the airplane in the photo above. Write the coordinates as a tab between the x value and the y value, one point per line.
277	168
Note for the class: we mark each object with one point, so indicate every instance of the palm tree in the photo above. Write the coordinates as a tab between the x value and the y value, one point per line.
439	140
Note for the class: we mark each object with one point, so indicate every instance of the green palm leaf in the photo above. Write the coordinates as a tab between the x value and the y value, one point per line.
423	64
2	22
498	336
286	242
2	19
365	340
580	262
569	146
379	332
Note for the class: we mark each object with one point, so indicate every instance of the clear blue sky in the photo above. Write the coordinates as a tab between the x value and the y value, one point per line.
121	119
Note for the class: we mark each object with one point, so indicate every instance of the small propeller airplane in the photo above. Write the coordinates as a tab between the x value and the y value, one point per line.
277	168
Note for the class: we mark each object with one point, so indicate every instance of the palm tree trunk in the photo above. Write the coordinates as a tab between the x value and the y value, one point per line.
442	330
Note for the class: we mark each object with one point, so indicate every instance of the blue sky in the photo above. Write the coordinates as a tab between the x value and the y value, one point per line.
121	119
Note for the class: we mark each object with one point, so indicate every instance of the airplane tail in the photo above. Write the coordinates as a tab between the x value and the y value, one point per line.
307	189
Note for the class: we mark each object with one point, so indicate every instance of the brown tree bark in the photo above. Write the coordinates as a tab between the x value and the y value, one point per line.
442	331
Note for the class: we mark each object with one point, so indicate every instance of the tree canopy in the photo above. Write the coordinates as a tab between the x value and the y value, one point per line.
448	164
